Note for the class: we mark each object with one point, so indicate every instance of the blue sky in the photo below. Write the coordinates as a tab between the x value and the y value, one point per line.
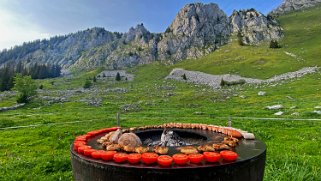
27	20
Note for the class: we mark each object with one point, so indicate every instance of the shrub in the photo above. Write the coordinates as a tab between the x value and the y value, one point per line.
118	78
274	44
184	77
94	79
87	84
168	30
41	86
26	88
223	83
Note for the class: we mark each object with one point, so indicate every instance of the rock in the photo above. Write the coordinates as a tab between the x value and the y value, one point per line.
243	96
198	29
274	107
252	27
293	5
139	33
289	97
169	94
293	107
292	75
295	114
317	112
261	93
208	79
317	107
280	113
215	81
198	113
14	107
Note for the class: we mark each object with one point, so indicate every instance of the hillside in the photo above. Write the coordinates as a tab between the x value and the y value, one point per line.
197	30
300	48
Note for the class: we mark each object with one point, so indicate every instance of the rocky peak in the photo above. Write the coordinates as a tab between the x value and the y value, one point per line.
198	29
253	27
193	18
294	5
138	33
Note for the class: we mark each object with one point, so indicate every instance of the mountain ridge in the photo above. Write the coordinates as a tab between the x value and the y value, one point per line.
197	30
293	5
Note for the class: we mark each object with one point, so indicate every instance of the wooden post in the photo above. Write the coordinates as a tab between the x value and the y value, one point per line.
118	119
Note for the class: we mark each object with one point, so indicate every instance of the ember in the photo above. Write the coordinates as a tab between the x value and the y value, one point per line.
168	138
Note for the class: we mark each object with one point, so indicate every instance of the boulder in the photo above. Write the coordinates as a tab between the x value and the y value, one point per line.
261	93
317	112
274	107
280	113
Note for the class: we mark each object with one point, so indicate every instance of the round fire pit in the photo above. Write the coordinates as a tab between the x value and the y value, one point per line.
249	165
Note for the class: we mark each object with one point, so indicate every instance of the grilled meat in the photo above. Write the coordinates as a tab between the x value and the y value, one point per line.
162	150
113	147
187	150
141	149
205	148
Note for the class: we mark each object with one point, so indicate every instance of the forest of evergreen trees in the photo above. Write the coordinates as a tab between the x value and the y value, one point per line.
36	71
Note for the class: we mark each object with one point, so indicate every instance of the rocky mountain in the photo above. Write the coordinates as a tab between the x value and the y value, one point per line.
61	50
253	27
294	5
197	30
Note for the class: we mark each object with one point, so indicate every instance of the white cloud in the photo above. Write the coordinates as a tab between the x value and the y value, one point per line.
16	29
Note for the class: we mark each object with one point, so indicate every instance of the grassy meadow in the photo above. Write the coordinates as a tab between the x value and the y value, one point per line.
293	146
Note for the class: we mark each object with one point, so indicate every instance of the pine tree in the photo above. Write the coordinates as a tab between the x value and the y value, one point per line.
274	44
184	77
118	78
94	79
223	83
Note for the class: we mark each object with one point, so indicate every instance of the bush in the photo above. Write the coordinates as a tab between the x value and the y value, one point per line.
184	77
274	44
94	79
223	83
87	84
26	88
41	86
168	30
118	78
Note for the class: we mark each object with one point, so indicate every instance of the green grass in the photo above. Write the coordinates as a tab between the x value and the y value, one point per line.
42	153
